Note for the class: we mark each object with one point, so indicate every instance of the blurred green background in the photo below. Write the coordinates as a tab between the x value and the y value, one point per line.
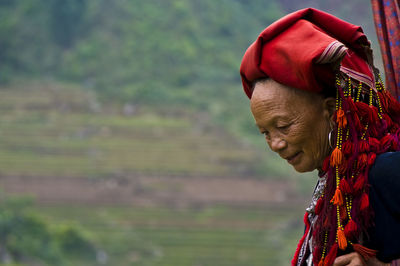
126	138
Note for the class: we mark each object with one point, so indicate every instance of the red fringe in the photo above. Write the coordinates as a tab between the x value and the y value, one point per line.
388	120
364	204
357	123
373	115
395	146
343	213
325	165
374	144
363	112
384	101
345	187
371	158
351	229
318	206
393	107
363	146
326	223
366	253
317	255
373	131
351	105
343	167
386	140
362	161
359	185
347	147
330	258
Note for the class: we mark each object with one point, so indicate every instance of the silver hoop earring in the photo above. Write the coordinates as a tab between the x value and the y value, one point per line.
330	138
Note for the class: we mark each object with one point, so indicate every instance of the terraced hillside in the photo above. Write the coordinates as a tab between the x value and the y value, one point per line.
150	187
57	130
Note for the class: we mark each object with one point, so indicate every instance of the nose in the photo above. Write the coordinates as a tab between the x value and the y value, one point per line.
277	144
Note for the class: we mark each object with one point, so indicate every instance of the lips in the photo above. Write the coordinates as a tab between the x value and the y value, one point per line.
291	159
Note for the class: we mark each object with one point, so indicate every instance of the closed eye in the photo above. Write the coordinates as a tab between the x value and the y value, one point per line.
284	128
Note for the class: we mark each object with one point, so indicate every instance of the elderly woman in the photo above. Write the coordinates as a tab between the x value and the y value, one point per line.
321	104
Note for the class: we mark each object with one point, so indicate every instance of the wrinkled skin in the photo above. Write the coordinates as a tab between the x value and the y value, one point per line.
295	123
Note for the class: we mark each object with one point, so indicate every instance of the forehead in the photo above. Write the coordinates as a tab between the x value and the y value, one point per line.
271	99
271	94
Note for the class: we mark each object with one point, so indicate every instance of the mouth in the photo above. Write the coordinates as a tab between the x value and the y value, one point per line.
292	159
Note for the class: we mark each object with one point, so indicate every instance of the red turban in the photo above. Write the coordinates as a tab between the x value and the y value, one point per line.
305	49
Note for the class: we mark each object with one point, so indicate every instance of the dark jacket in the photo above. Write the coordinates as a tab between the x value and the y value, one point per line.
384	178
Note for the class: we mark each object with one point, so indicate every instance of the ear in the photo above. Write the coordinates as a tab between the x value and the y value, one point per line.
329	106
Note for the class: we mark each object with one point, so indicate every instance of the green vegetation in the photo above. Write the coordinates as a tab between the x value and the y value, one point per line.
191	236
25	237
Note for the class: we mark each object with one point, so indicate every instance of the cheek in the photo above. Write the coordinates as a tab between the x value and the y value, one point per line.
311	137
301	133
318	142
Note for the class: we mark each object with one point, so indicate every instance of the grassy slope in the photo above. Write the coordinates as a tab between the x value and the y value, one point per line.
61	131
58	130
180	237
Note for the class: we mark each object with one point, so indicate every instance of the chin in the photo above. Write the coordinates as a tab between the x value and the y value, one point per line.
303	168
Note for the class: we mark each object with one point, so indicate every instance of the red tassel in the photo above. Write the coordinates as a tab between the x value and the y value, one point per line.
351	229
318	206
357	123
386	141
343	167
363	146
364	204
341	118
373	130
373	144
345	187
317	254
371	158
359	185
321	262
362	160
336	157
392	105
347	147
395	146
352	106
326	223
342	241
325	165
337	199
384	102
388	120
373	115
330	258
366	253
363	109
343	213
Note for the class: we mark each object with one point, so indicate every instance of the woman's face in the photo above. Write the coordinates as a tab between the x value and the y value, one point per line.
295	123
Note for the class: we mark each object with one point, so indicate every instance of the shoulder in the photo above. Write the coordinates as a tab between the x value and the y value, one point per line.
386	170
384	179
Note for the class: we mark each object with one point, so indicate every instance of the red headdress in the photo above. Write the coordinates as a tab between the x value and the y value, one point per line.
317	52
